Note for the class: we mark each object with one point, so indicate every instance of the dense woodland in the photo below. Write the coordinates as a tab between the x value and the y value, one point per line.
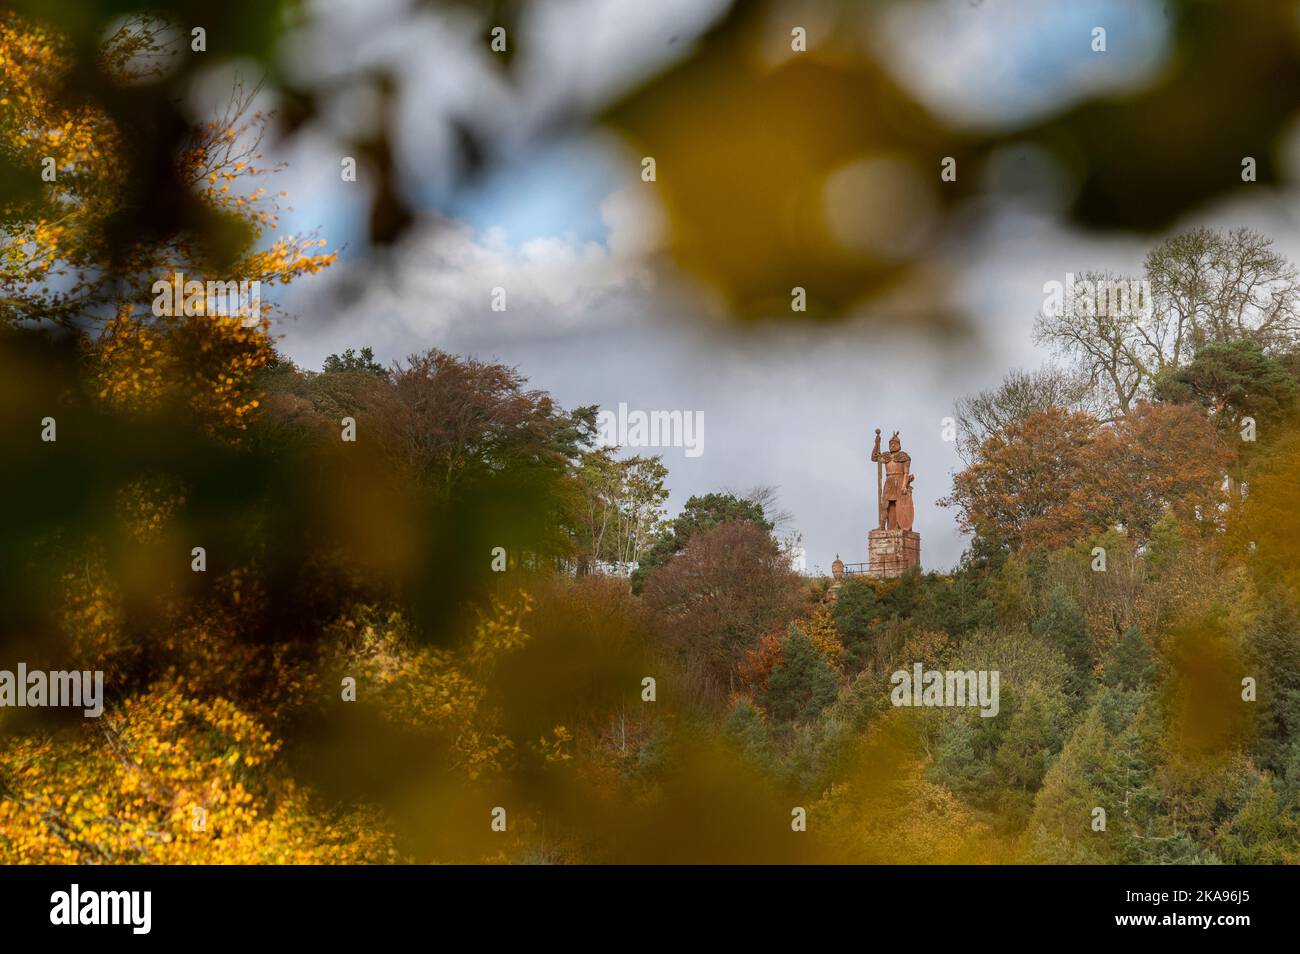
391	636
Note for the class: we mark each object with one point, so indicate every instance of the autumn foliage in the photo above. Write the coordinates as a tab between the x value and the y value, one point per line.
1058	475
330	642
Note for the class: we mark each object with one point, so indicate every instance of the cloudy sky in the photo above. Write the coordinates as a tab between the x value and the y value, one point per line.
595	316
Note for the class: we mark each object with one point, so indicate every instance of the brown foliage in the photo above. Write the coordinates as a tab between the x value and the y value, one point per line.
445	416
1058	475
760	660
716	598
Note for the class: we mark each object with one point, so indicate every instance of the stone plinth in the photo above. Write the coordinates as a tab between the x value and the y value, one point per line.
893	552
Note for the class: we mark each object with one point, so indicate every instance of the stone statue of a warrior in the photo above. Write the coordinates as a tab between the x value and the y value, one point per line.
896	510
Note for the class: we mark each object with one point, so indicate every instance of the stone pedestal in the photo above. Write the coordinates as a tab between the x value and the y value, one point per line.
893	552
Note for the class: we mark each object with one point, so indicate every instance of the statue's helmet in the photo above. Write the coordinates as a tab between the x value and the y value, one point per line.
894	442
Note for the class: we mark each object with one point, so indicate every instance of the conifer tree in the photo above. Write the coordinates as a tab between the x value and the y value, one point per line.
802	684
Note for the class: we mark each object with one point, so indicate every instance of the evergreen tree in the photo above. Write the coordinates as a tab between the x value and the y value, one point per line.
854	610
957	607
1062	625
1273	644
802	684
902	599
1260	833
1061	824
1132	663
745	726
1232	379
1011	593
958	766
1291	773
350	362
1029	745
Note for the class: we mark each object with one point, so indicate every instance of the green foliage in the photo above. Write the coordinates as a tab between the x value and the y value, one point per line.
1165	547
1063	627
960	764
1131	664
352	362
1103	765
902	597
1273	645
1290	772
854	611
802	684
1233	379
746	727
1021	658
1011	593
619	507
957	606
1030	743
1262	831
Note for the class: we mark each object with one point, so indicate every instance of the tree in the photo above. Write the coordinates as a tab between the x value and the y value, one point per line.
716	598
1030	743
1012	594
1273	644
1020	394
802	683
1020	486
854	612
83	249
1059	476
747	728
959	765
135	789
1106	341
453	420
1072	789
1132	663
761	660
641	507
897	816
1158	457
1263	831
1265	524
1232	380
300	405
1204	287
1063	627
212	664
1212	286
352	362
700	513
621	506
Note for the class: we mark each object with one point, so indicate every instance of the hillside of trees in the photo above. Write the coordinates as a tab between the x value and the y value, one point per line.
363	614
1127	570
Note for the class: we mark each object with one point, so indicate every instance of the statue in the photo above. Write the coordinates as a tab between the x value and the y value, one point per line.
894	548
896	509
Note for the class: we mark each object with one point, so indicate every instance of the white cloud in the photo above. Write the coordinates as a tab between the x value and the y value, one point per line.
441	283
551	284
995	62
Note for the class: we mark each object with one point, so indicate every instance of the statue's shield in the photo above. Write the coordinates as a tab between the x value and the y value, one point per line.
906	511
